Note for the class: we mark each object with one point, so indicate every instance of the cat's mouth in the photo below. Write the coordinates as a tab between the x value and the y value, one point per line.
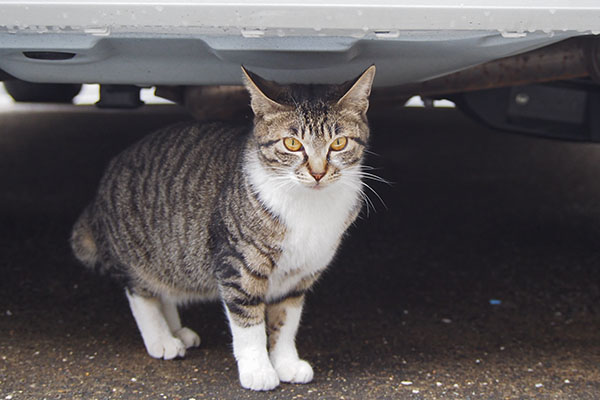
318	185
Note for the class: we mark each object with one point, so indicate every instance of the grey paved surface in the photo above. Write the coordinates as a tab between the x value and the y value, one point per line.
404	312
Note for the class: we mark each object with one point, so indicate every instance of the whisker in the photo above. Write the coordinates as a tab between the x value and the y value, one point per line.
375	193
359	172
368	168
372	153
374	177
367	201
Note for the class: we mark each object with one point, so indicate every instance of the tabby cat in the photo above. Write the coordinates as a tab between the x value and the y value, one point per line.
250	217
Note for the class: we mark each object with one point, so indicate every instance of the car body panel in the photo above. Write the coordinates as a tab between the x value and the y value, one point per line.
205	42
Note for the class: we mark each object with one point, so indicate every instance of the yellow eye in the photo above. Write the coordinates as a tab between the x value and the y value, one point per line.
292	144
339	144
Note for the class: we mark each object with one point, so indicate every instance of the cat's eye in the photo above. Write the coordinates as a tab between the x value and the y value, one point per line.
339	144
292	144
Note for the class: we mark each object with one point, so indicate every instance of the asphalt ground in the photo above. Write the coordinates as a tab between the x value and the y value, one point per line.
478	279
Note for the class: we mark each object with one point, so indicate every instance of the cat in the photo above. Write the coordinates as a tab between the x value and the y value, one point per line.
248	216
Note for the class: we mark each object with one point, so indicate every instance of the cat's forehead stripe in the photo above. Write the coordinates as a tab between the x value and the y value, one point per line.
316	125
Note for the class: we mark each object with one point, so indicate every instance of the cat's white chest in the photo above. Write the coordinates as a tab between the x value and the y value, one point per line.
315	224
315	221
311	241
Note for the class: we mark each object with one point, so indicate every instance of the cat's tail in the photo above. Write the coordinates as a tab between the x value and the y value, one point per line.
82	240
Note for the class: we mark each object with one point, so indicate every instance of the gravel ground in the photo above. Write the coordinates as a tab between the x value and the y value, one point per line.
478	279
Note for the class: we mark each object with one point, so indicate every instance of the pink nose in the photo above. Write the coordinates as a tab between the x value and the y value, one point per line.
317	175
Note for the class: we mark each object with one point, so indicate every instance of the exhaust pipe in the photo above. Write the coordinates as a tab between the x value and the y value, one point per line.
577	57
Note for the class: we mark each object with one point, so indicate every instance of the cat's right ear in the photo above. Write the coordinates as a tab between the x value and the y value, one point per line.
261	103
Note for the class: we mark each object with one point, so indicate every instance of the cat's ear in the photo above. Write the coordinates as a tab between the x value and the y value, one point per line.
357	97
258	88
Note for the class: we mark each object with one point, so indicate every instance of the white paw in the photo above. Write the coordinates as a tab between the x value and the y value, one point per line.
188	337
255	377
294	370
167	347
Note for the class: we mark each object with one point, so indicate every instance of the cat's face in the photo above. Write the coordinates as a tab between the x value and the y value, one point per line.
313	151
312	136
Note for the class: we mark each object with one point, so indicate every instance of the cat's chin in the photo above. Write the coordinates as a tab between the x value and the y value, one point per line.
318	186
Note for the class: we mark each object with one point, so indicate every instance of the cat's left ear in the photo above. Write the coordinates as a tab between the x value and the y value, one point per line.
261	103
357	97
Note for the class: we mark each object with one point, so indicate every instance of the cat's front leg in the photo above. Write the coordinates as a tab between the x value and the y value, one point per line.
283	319
247	322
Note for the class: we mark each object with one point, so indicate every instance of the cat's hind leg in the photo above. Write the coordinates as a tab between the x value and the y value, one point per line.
186	335
155	330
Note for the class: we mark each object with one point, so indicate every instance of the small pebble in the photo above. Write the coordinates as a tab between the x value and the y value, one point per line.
446	320
567	381
438	384
406	383
539	385
415	391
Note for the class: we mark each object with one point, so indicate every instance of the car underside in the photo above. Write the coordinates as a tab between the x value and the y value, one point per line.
498	62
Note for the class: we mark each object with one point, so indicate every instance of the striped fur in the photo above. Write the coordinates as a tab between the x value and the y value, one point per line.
216	212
